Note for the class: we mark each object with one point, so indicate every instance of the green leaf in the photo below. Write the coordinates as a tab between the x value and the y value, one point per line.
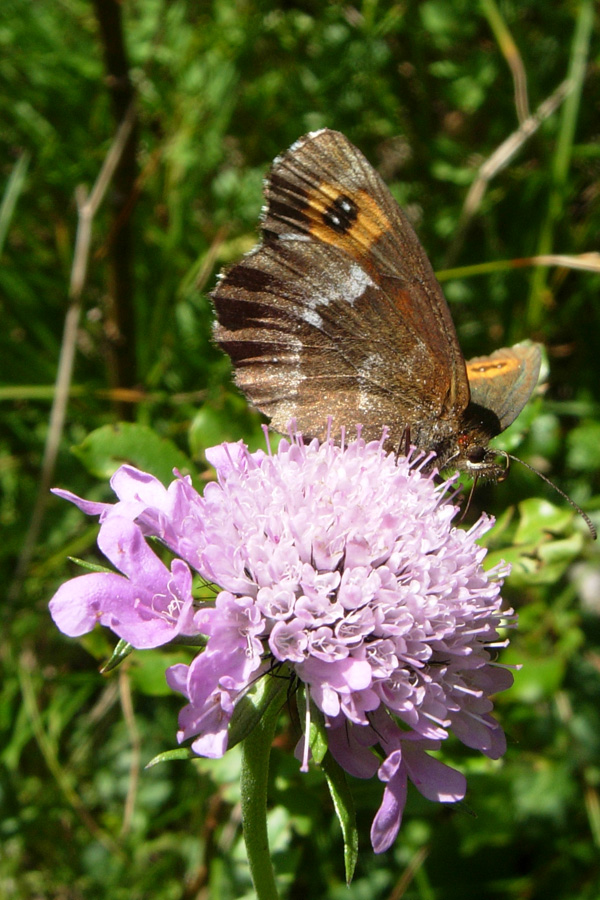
253	705
121	652
344	809
537	679
147	670
318	735
583	443
168	755
12	191
537	517
317	738
229	421
92	567
108	447
534	555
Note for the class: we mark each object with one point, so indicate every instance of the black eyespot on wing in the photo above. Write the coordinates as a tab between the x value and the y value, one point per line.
341	214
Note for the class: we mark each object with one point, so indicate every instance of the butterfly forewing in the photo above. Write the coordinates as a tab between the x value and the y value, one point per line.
338	312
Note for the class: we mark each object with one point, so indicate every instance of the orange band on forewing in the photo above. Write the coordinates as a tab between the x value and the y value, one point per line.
369	225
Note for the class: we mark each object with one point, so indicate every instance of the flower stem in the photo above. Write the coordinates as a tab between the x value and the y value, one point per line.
256	751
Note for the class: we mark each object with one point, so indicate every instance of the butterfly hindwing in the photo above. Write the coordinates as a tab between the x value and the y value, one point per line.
504	381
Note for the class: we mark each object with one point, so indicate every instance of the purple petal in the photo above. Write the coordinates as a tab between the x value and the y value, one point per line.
147	609
432	778
123	543
481	733
131	484
77	605
87	506
113	601
344	742
388	818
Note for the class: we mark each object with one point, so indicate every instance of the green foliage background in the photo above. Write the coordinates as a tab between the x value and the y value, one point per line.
425	89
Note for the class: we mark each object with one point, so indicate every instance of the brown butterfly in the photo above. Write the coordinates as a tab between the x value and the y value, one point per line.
338	313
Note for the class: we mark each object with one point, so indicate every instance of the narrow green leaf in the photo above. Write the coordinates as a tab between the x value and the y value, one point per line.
317	738
253	705
14	187
318	735
121	652
169	755
344	808
92	567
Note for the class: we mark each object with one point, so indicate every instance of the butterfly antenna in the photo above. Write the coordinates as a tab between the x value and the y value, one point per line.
577	508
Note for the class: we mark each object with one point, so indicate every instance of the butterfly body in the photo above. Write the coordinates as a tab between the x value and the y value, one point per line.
338	313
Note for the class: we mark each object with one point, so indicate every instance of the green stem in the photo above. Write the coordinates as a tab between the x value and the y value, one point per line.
256	751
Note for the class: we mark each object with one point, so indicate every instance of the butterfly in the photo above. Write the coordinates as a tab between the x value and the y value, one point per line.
337	312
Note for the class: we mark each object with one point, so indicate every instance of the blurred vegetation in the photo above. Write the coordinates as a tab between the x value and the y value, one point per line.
427	90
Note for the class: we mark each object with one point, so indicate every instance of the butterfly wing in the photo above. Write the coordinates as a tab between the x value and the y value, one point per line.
338	311
504	381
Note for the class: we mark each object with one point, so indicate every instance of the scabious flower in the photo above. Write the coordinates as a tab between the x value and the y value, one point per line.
342	563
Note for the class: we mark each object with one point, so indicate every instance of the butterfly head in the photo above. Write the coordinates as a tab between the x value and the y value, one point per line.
460	442
477	460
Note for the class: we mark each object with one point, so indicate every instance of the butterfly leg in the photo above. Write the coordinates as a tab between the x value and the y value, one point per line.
404	445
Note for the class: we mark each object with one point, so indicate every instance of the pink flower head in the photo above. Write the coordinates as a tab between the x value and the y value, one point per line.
342	563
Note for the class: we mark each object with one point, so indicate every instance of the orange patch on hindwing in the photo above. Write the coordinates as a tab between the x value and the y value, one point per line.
492	368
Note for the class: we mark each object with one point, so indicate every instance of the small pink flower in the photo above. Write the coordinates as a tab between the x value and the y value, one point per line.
341	562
